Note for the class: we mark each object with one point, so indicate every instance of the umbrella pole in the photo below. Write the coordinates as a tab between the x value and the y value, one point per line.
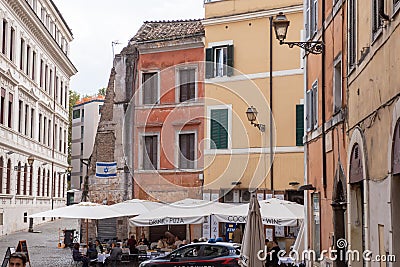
87	233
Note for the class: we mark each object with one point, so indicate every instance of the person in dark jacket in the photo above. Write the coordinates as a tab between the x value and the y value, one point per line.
115	254
78	256
99	247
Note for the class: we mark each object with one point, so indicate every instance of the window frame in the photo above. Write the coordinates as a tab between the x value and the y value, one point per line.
158	100
210	57
337	62
376	28
209	109
178	149
141	148
352	32
178	82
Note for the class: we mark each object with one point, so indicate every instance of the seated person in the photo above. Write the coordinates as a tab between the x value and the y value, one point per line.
78	256
170	238
162	243
184	242
143	240
91	252
99	247
115	254
177	243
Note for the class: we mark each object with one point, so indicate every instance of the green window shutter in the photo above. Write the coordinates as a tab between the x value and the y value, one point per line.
209	63
299	124
229	61
219	129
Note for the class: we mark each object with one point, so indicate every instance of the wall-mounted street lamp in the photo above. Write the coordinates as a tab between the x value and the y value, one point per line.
30	160
68	170
281	25
252	117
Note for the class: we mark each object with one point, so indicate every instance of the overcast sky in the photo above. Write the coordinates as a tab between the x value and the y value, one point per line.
96	23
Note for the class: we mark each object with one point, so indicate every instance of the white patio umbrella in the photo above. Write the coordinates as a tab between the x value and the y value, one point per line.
83	210
187	211
253	236
135	207
273	212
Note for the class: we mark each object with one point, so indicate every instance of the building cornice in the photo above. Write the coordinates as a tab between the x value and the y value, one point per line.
252	15
38	30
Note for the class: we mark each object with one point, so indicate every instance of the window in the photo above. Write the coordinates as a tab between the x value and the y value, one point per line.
82	132
22	55
25	217
187	84
150	152
60	141
49	133
219	61
352	34
8	182
26	119
12	40
28	59
150	88
1	174
38	182
10	109
31	181
2	103
312	107
41	74
46	70
66	96
32	121
40	128
33	74
44	182
299	124
187	151
377	9
219	129
44	130
25	184
337	86
59	186
76	114
311	24
83	113
65	142
4	43
20	115
51	83
19	179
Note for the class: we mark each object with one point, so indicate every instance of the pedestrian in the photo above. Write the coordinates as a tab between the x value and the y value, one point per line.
267	249
273	254
132	245
115	254
237	235
17	259
99	247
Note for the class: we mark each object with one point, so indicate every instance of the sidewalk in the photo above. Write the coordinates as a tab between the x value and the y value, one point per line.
42	247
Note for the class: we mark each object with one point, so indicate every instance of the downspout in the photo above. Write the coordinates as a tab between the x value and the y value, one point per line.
271	137
324	178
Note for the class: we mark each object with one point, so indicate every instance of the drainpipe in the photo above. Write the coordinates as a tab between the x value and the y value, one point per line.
324	178
271	137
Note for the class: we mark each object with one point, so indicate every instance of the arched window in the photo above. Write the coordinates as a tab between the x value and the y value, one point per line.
19	179
38	182
48	183
25	178
59	185
1	174
44	182
8	182
396	149
31	181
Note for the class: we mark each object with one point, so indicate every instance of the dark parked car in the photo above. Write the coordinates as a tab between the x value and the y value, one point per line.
199	254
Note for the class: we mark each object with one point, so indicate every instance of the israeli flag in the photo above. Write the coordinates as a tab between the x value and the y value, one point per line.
106	169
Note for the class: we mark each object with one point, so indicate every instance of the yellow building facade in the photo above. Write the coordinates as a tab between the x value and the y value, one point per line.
237	156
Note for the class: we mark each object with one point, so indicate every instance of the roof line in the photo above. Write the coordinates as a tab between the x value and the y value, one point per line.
62	18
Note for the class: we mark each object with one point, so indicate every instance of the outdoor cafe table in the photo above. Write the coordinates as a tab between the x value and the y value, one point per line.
102	257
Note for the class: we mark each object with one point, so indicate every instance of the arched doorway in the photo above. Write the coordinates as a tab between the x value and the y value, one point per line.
357	213
339	218
396	189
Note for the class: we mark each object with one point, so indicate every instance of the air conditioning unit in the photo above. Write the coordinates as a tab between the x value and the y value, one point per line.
246	195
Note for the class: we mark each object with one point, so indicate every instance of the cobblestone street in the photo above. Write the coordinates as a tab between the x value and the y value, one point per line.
42	244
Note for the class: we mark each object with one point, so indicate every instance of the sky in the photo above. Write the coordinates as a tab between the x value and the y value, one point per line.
95	24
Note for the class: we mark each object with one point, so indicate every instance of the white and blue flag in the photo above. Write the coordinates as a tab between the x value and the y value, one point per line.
106	169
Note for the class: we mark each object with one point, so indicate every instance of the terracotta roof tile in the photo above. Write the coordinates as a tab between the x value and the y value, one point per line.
152	31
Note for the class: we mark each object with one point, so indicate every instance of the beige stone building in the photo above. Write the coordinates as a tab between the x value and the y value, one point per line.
238	155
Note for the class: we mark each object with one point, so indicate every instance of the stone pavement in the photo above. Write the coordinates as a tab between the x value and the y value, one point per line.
42	246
